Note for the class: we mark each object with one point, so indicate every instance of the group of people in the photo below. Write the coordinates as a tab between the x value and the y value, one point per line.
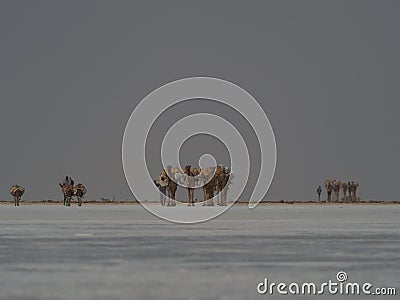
211	180
333	188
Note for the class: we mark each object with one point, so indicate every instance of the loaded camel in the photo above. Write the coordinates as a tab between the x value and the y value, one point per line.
70	191
79	192
211	180
349	190
223	181
172	185
344	190
17	191
336	190
190	182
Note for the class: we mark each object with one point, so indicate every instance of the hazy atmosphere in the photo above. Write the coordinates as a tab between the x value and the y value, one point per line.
326	74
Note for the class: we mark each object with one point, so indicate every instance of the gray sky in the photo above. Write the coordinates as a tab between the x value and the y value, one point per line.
325	72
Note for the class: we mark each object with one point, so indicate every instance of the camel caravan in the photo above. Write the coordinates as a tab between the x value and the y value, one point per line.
70	190
213	181
349	190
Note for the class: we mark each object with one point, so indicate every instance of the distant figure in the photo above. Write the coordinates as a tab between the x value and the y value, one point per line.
17	191
319	191
68	192
353	192
336	189
355	184
172	185
223	180
329	192
66	181
344	189
67	188
162	184
80	191
190	182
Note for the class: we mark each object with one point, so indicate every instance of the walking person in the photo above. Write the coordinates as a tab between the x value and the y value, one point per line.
162	184
319	191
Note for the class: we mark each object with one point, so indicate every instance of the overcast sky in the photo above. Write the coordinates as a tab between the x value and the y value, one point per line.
325	72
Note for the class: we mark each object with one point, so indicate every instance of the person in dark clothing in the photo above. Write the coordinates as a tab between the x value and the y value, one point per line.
66	181
319	191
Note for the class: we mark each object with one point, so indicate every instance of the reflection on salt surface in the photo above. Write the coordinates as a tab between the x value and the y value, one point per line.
108	252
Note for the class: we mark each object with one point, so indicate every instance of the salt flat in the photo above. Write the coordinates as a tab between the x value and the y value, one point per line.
123	252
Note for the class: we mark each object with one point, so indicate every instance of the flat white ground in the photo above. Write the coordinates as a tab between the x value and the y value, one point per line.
123	252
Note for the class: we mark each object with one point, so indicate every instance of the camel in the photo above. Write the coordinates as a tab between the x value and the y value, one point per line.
208	183
79	192
327	182
193	178
172	185
336	190
189	184
203	178
329	187
68	192
222	174
179	177
196	172
344	190
349	190
332	186
210	187
17	191
353	192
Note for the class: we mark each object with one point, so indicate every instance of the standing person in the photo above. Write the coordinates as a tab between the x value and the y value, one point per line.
162	187
319	191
